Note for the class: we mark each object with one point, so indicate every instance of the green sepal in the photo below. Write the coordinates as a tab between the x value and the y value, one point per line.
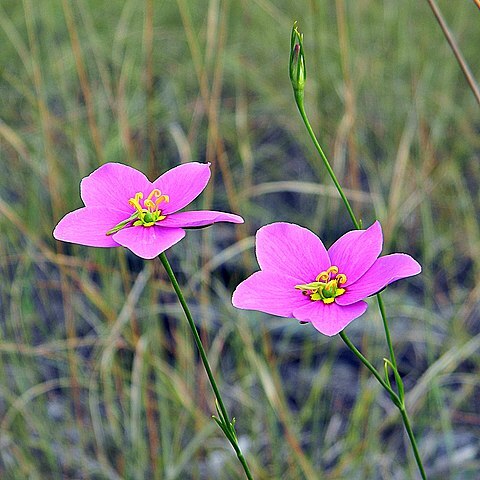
387	377
398	381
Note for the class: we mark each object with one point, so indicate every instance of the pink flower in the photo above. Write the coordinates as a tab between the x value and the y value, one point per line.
300	279
123	208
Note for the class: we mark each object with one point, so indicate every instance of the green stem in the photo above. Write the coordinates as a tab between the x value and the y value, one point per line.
397	399
413	442
224	421
301	108
387	330
374	371
356	223
399	402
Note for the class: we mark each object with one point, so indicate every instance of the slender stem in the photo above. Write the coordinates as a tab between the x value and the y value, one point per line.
301	108
387	330
399	402
397	399
374	371
413	442
225	423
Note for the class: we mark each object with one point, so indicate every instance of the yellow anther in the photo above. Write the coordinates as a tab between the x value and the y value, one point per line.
150	205
135	202
162	198
154	193
333	269
341	278
322	277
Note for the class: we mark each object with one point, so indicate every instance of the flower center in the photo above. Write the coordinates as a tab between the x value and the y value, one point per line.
326	286
147	212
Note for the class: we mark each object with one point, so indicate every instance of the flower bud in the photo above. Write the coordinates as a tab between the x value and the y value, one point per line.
298	71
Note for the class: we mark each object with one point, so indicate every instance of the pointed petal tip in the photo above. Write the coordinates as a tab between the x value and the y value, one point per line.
384	271
198	219
376	227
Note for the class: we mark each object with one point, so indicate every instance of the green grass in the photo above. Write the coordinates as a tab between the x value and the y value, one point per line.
100	378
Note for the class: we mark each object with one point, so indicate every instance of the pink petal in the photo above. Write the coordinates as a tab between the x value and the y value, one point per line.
199	218
356	251
112	185
384	271
182	184
329	319
270	293
148	242
88	226
289	249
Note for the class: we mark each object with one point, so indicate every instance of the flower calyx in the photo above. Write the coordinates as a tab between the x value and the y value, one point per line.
326	286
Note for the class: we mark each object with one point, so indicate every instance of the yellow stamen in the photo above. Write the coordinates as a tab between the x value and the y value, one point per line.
154	193
149	205
135	202
162	198
326	286
322	277
146	214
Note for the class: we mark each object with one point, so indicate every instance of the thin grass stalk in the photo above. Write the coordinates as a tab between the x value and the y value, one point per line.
52	179
149	92
285	416
204	98
159	361
83	78
456	49
223	419
276	397
349	96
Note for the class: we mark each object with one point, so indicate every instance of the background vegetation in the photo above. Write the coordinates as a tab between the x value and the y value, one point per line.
99	377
